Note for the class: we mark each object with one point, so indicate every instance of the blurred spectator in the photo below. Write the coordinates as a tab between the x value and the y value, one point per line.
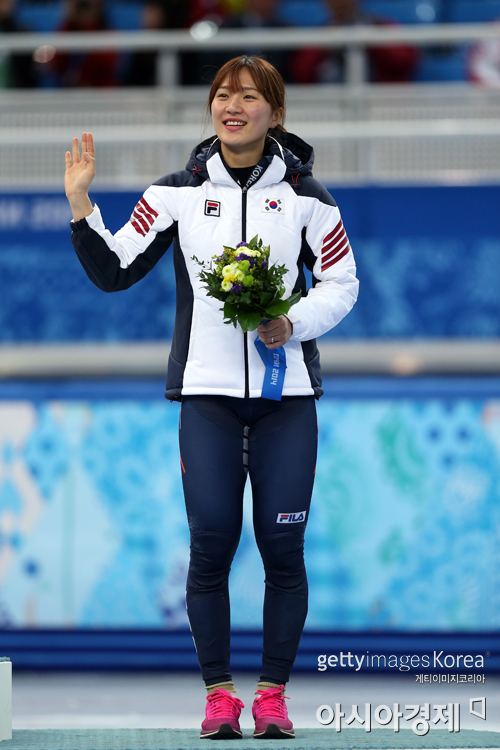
16	71
199	10
390	64
156	15
256	14
483	64
80	68
233	6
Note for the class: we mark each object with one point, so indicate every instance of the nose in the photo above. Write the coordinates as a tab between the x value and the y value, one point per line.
233	104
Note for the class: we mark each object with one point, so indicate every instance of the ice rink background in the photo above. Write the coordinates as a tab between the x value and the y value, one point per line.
404	530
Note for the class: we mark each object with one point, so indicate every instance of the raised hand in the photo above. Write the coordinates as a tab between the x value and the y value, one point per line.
79	175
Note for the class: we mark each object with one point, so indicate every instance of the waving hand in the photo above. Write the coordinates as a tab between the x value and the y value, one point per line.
79	175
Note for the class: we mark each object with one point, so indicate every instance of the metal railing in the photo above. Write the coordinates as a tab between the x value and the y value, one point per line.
397	132
354	39
378	133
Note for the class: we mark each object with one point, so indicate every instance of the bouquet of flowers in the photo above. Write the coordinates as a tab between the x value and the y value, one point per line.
249	287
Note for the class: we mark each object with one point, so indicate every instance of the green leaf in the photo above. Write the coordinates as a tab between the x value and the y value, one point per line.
265	298
249	321
281	307
230	310
294	298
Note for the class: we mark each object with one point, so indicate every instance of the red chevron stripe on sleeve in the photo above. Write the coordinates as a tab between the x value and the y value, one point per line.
141	221
336	250
143	217
337	257
333	233
138	228
335	246
139	209
148	208
338	238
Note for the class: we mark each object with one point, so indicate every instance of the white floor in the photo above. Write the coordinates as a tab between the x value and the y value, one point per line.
135	700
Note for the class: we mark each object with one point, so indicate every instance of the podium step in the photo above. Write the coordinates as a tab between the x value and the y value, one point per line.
306	739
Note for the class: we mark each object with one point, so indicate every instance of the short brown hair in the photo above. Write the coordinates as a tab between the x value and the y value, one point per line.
268	82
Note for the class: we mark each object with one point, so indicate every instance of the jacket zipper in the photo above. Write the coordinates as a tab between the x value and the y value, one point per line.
244	239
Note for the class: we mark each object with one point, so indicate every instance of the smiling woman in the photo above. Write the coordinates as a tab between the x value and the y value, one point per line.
247	98
251	178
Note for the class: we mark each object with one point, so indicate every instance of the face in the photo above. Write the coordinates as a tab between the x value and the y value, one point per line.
242	118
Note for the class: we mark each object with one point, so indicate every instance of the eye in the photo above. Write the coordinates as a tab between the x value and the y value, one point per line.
249	96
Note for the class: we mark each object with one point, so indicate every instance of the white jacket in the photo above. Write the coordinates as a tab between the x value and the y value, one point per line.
203	208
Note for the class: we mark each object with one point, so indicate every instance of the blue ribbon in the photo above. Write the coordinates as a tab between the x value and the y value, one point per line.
275	363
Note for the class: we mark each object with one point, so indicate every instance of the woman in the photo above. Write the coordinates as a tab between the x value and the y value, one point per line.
251	178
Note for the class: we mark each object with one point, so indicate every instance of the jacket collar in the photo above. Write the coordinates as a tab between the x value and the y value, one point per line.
270	170
289	155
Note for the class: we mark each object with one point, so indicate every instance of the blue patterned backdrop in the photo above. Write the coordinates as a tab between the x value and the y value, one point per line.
428	262
404	530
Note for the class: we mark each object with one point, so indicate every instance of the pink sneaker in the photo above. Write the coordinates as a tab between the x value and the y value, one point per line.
223	710
271	716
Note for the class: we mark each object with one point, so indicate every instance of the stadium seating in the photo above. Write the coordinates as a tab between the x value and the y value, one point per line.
124	16
473	11
40	16
405	11
304	13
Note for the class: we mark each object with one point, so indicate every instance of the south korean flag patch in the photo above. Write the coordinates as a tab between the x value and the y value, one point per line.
273	206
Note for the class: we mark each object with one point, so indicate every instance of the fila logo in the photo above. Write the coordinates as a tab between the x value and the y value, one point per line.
272	206
212	208
291	517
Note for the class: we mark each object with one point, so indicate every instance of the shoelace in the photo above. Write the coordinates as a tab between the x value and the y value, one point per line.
271	702
222	703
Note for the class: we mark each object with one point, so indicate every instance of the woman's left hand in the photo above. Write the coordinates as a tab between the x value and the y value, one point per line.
275	333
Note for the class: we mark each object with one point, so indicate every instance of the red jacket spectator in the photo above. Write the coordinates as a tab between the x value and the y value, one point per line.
86	69
394	63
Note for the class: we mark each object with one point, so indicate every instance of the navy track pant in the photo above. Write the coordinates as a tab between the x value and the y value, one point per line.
222	439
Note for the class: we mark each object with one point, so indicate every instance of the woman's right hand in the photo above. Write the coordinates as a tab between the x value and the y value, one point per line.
79	175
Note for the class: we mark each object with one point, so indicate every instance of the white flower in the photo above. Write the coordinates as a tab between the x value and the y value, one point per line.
230	270
226	286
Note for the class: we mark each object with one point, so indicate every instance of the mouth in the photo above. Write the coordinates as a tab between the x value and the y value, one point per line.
234	124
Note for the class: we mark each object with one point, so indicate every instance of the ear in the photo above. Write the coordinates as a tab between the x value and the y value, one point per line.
277	117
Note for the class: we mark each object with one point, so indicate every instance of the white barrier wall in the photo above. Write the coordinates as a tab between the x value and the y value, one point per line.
5	699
